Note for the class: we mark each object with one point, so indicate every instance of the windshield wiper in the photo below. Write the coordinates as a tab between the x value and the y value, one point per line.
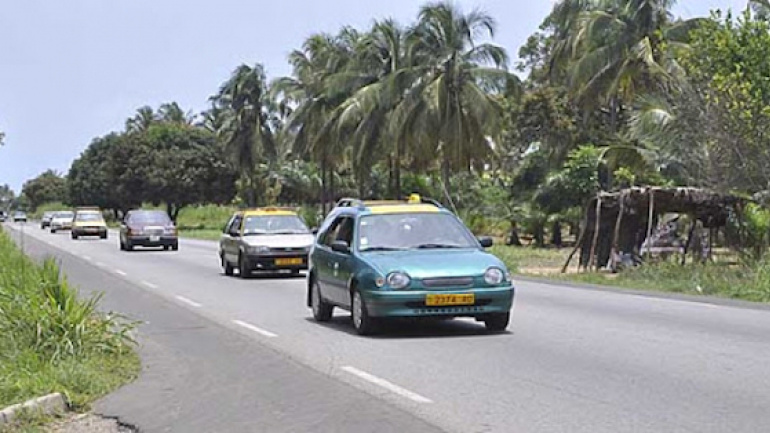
381	249
431	246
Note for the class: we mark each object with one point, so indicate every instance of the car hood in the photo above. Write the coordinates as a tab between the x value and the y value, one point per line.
434	263
61	220
280	241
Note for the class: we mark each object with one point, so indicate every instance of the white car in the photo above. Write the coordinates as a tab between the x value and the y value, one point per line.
62	220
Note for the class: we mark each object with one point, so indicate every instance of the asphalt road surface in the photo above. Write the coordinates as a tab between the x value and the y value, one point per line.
575	359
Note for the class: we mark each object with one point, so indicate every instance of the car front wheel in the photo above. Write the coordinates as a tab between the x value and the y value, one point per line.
497	322
362	322
243	267
322	311
228	268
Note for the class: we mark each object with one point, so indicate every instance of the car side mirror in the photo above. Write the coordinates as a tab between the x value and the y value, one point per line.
486	242
341	247
314	230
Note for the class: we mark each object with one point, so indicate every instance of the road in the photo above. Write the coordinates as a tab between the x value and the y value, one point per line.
575	359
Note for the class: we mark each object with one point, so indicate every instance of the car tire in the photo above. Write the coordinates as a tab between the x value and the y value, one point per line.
74	236
175	247
128	245
497	322
362	322
322	311
243	267
226	266
166	247
122	246
53	230
103	236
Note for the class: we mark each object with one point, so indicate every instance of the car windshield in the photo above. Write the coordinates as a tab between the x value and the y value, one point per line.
150	217
274	224
90	216
413	231
67	215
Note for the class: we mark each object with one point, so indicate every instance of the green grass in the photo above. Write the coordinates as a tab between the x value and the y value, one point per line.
53	340
531	260
209	217
205	234
745	281
46	207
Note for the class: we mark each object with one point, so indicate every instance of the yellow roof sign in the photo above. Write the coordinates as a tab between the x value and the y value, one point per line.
403	208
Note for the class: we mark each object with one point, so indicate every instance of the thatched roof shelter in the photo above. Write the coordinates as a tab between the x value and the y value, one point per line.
621	221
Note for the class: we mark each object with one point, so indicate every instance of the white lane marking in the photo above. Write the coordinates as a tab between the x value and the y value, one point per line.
150	285
119	272
188	301
85	257
100	264
387	385
256	329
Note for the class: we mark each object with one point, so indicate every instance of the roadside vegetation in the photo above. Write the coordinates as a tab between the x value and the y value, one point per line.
609	94
53	340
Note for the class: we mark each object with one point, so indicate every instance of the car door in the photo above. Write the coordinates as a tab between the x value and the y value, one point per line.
231	238
341	263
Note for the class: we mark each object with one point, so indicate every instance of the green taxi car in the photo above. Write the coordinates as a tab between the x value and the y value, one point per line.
410	258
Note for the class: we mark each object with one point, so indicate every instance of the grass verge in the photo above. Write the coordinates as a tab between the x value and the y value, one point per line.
55	341
745	281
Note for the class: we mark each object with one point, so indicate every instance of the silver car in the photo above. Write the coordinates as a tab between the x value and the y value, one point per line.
267	239
62	220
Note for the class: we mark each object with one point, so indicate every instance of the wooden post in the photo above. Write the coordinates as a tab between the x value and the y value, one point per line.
650	216
578	243
616	232
689	240
592	257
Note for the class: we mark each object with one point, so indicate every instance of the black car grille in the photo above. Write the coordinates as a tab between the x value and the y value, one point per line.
447	282
288	250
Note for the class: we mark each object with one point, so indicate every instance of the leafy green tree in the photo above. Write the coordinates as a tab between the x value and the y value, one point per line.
49	186
187	168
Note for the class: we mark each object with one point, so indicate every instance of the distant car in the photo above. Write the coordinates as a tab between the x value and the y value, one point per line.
62	220
148	228
88	222
45	220
265	239
412	258
19	216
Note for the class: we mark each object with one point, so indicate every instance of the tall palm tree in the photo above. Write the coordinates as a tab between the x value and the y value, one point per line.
311	127
171	112
141	121
615	49
451	109
246	131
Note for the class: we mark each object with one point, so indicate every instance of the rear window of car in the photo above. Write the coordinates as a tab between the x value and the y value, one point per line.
64	215
149	217
88	216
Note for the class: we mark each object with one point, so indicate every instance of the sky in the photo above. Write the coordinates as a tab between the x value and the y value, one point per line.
73	70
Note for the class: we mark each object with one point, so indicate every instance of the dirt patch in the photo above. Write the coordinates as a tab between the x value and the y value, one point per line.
89	423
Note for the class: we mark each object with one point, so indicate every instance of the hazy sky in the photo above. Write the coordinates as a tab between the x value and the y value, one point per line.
72	70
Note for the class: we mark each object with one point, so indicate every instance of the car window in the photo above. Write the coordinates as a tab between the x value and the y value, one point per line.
235	224
68	215
90	216
340	230
273	224
149	217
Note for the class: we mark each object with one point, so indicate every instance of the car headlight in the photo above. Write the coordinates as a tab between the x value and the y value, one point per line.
398	280
257	249
494	276
169	231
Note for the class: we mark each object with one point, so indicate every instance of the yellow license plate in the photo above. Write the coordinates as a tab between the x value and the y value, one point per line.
436	299
289	261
